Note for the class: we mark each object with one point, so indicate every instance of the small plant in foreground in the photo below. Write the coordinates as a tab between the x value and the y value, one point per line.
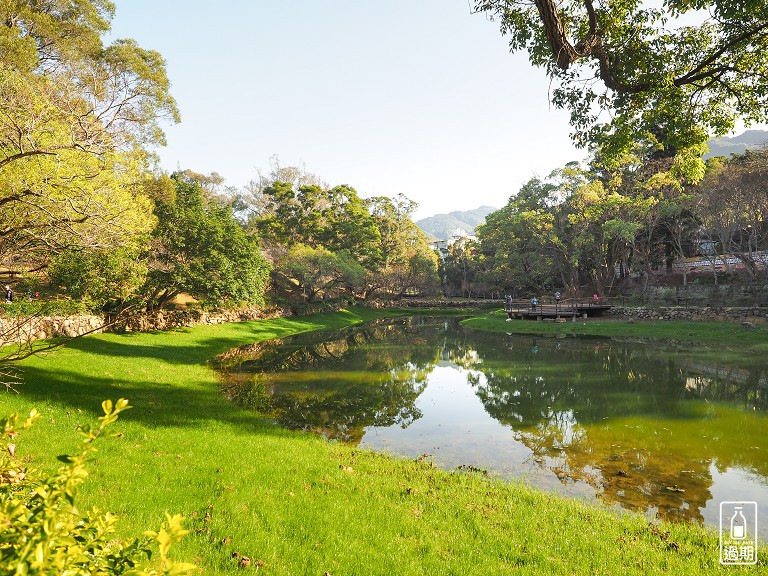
42	531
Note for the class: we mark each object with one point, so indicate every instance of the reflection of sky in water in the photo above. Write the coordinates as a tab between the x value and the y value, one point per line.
664	428
735	484
455	430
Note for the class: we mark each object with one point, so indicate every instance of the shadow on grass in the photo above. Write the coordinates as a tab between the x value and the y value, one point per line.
187	345
155	404
89	370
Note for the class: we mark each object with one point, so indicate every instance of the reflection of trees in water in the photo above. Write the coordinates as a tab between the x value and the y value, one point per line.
625	416
582	407
747	383
336	383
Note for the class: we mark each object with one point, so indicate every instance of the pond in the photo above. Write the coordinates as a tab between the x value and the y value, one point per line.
669	429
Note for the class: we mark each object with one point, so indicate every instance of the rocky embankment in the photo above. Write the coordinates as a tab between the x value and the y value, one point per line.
27	329
755	314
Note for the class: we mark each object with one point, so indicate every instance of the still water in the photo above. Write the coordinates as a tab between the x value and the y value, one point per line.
669	429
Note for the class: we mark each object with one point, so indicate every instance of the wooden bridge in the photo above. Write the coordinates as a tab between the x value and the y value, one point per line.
565	309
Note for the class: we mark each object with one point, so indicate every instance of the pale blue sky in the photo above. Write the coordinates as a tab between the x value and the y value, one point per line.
418	97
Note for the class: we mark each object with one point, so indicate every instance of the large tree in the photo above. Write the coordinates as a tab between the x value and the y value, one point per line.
516	240
631	72
200	248
311	272
77	122
733	203
407	264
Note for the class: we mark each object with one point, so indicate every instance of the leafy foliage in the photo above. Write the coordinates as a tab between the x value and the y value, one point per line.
322	239
199	247
315	271
589	228
99	278
76	119
639	75
408	263
43	532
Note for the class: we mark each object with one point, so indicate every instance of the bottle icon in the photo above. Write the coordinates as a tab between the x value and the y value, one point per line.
738	525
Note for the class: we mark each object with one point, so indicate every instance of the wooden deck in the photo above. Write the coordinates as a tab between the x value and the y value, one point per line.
566	309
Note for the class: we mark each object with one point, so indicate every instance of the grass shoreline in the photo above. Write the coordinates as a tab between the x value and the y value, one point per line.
297	504
686	330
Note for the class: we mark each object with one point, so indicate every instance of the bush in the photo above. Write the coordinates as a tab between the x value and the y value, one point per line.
41	530
99	278
22	308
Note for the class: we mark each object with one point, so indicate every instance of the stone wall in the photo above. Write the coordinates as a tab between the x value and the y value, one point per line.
166	319
754	314
13	330
708	295
24	330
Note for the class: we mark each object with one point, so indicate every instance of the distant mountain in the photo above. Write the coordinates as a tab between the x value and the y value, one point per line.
442	226
727	146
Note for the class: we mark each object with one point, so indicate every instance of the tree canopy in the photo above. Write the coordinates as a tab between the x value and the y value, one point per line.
630	72
200	248
321	239
77	122
580	231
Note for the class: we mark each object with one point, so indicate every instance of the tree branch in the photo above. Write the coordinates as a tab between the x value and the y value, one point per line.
694	74
20	155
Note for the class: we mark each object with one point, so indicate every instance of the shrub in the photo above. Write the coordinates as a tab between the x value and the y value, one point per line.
41	530
23	308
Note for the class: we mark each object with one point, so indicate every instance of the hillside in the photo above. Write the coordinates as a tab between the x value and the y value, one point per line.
727	146
442	226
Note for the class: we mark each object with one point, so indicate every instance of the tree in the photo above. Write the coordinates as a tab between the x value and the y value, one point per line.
733	200
200	248
106	279
407	262
263	196
629	72
336	219
76	121
314	272
459	269
514	240
348	225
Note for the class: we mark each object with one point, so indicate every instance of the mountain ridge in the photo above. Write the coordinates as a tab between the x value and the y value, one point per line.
442	226
730	145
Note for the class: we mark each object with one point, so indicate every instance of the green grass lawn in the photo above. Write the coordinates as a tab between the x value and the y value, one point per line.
296	504
755	336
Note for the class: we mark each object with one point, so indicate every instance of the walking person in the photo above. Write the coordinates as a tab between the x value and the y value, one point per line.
8	294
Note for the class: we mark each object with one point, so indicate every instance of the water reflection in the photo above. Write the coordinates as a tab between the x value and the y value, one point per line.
650	427
334	384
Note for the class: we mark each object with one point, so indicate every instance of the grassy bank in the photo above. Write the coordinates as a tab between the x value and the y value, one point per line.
726	332
296	504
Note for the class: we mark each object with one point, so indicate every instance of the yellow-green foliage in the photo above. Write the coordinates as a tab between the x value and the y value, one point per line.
43	532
